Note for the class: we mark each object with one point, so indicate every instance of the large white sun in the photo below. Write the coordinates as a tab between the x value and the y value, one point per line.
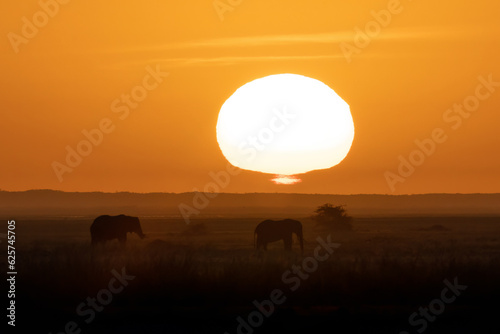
285	124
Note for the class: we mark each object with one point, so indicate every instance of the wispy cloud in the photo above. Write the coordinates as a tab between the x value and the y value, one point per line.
409	33
222	61
239	42
236	59
313	46
269	40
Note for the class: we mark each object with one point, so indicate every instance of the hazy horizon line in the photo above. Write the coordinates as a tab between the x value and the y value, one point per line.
244	193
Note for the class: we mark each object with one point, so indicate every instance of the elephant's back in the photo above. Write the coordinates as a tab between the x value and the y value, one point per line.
263	225
278	227
100	222
293	222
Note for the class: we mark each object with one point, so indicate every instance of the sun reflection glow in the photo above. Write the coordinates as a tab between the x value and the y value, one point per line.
286	179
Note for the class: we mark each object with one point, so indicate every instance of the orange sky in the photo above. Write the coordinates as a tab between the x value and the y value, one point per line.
63	79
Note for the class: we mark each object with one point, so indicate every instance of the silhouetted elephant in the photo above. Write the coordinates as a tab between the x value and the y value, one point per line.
274	230
106	228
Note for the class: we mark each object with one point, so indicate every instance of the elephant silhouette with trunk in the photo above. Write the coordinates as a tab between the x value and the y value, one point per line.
105	228
274	230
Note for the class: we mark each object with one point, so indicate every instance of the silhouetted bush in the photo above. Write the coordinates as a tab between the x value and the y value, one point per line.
333	218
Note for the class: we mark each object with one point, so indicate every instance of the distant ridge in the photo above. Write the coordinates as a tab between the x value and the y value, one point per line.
54	203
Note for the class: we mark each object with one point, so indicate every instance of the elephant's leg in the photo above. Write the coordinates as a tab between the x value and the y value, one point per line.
288	242
258	244
122	239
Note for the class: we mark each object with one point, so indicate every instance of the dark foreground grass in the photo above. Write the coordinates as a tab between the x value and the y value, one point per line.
372	283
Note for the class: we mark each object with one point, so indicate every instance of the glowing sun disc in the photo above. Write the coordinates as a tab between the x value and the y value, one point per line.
285	124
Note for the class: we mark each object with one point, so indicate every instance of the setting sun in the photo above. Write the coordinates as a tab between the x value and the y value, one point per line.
285	124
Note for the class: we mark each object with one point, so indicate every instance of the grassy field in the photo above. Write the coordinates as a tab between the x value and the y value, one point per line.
381	273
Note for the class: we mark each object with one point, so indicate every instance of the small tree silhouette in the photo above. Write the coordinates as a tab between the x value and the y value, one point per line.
333	217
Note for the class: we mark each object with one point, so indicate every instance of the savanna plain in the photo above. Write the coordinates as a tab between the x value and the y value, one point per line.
206	277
